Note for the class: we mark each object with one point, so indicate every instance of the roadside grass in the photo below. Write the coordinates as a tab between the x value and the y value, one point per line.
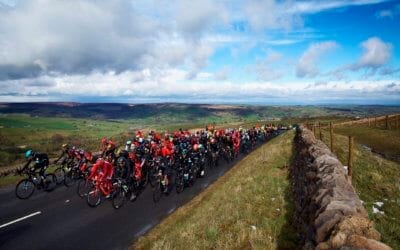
375	179
249	207
386	142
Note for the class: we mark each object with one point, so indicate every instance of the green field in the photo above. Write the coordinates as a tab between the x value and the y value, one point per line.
20	132
249	207
380	140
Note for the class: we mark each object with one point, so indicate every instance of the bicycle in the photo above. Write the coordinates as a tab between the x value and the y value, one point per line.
25	187
213	159
152	171
122	191
67	173
160	188
99	188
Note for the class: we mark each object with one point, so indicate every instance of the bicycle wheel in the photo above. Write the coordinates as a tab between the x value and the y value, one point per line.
157	193
179	183
152	176
51	182
226	157
24	189
145	176
83	187
70	178
118	198
60	175
94	196
193	176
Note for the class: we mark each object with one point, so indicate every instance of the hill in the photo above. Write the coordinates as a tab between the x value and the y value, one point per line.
185	112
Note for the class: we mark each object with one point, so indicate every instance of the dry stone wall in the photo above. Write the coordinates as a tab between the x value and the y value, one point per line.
329	214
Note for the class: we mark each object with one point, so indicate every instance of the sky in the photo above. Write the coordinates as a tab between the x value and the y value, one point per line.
200	51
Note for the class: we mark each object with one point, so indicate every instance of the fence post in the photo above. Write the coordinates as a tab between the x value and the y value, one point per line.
350	159
387	122
375	121
398	121
320	131
314	130
331	134
369	122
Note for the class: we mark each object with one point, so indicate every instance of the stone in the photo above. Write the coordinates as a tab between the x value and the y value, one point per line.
325	224
311	175
362	242
339	240
358	225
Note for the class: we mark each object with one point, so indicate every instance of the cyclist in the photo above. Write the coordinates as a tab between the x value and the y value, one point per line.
123	170
41	162
104	172
236	144
67	155
108	149
166	154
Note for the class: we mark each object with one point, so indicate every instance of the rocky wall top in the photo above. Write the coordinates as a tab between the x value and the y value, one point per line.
329	213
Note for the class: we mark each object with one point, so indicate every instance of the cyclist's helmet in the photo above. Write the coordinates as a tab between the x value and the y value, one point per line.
121	161
195	147
65	145
88	155
212	141
28	153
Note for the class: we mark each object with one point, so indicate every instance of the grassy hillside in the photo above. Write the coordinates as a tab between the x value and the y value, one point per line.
375	179
385	142
186	112
249	207
19	132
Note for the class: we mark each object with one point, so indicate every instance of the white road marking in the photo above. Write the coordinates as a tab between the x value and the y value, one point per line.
20	219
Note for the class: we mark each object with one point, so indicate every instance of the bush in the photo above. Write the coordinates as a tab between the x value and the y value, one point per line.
57	138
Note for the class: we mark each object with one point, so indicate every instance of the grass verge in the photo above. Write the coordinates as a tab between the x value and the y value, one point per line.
375	179
249	207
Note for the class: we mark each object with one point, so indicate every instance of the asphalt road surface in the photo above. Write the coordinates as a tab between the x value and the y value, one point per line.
62	220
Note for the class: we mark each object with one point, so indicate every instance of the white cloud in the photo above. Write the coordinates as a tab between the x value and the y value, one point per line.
389	71
385	14
147	85
269	14
388	13
307	7
222	74
196	16
376	53
72	37
273	56
268	68
307	64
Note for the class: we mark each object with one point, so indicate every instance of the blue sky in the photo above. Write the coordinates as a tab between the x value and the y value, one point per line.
200	51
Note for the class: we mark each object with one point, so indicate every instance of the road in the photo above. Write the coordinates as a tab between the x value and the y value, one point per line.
62	220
